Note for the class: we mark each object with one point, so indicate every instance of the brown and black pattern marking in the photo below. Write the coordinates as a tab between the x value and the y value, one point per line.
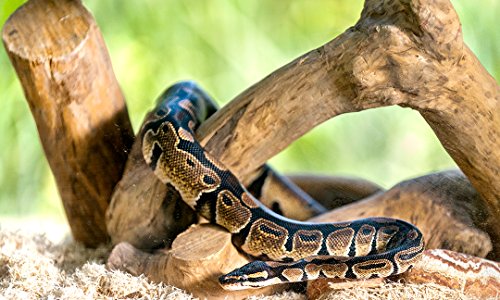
364	239
374	247
384	235
339	242
160	148
306	243
373	268
230	213
338	270
405	258
293	274
266	238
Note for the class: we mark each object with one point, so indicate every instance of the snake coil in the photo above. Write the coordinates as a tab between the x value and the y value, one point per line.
293	251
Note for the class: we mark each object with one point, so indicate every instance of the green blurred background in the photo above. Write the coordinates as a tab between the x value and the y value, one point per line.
227	46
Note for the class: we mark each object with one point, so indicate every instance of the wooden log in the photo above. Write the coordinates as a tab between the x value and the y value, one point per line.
474	276
404	52
66	74
444	206
335	191
197	258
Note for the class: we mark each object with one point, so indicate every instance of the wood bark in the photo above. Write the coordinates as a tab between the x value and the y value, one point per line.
197	258
444	206
474	276
335	191
65	71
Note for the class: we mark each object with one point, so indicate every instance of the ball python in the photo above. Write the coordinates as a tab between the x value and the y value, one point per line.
288	250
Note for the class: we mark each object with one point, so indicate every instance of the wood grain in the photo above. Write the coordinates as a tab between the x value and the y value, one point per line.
192	263
335	191
444	206
65	71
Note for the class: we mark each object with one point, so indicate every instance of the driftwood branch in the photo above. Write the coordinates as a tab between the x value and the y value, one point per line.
408	53
67	78
444	206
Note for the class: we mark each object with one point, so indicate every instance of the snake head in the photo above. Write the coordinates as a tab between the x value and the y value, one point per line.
252	275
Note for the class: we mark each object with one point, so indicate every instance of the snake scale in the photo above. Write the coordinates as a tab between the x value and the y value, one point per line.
289	251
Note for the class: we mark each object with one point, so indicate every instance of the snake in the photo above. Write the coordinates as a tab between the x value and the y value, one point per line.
284	250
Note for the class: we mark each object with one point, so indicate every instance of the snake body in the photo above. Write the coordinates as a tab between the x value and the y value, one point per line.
290	251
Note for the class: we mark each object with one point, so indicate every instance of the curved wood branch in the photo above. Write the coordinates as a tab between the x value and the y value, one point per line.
405	52
444	206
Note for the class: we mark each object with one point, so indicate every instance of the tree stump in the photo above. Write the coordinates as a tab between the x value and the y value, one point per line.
66	74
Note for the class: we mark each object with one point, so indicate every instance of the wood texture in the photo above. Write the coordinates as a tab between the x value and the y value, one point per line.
444	206
66	74
474	276
335	191
405	52
192	264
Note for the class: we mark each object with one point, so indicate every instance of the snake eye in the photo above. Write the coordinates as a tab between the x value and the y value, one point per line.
412	235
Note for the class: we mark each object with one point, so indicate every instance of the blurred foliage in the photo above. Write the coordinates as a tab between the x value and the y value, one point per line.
227	46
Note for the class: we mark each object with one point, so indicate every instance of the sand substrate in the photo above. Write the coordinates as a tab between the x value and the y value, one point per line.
32	267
